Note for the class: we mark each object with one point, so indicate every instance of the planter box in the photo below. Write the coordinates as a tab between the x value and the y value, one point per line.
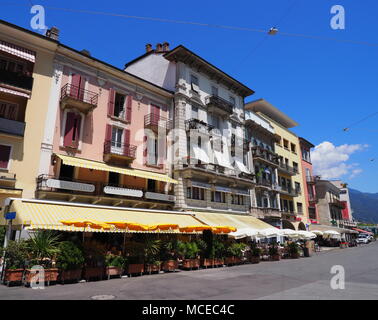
294	255
70	275
13	275
190	264
229	261
51	275
218	262
113	271
275	257
135	268
207	262
93	273
254	260
170	265
343	245
150	268
238	260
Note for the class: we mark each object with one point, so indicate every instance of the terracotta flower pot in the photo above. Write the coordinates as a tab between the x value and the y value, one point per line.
254	260
13	276
170	265
135	268
219	262
275	257
51	275
195	263
207	262
113	271
70	275
150	268
229	261
294	255
93	273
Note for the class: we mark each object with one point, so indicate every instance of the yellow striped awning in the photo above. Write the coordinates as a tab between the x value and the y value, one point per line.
95	165
232	220
11	192
49	216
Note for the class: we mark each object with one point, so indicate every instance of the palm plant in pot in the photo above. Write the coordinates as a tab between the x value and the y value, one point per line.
189	252
70	262
219	252
114	265
43	247
234	253
255	253
273	252
15	255
168	256
151	255
293	250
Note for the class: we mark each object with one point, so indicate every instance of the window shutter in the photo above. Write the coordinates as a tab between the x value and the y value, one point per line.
145	147
129	104
75	85
4	156
111	102
78	127
108	133
126	150
69	129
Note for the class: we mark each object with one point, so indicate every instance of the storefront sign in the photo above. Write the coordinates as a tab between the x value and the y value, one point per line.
69	185
160	196
10	216
123	192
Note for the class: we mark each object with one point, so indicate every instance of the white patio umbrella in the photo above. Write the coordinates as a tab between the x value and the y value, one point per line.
332	234
317	232
290	233
269	233
306	234
244	233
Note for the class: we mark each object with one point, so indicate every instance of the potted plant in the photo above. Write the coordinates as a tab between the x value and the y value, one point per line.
274	253
94	255
343	244
255	254
151	255
169	256
114	265
135	258
189	252
15	255
219	250
70	262
43	247
234	253
293	250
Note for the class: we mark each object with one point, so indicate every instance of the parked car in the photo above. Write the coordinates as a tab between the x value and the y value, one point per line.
363	238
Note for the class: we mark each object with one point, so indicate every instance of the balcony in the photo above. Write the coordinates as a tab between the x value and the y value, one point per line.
337	203
287	190
239	142
12	127
7	180
200	126
266	212
312	179
218	105
119	151
265	155
84	100
312	199
154	122
264	183
17	80
248	176
59	188
286	169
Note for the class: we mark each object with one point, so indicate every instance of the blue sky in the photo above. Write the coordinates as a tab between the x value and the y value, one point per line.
324	85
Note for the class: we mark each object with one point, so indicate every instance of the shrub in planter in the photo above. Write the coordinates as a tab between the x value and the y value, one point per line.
43	247
70	262
94	256
234	253
135	252
168	256
255	254
114	265
189	252
273	252
293	250
15	256
151	255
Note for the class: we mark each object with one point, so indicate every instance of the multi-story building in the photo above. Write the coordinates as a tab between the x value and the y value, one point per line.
209	157
264	197
26	76
309	180
289	175
347	212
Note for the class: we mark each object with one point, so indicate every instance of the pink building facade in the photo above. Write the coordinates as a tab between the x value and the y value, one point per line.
309	180
109	143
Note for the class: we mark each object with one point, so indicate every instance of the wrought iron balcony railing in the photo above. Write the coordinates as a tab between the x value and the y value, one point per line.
120	149
195	124
287	169
265	155
220	104
155	121
70	91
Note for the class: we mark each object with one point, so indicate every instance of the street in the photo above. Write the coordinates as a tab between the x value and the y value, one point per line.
306	278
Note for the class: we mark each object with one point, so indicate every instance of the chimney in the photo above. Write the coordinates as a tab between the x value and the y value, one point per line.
86	52
165	46
159	47
53	33
148	47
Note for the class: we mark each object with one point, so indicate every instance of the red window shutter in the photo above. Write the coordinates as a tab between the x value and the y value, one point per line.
68	134
111	102
129	104
126	149
145	147
108	133
126	133
4	156
78	127
75	85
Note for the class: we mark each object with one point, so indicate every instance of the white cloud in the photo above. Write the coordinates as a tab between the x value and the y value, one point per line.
331	162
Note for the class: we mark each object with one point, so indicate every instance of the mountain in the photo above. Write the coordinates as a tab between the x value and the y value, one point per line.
364	205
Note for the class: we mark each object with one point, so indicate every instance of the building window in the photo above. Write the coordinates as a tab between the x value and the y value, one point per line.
194	112
8	110
152	150
195	193
232	101
194	83
298	187
286	144
5	152
117	134
293	148
214	91
151	185
11	65
66	172
237	199
295	166
119	105
217	196
72	130
300	207
113	178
